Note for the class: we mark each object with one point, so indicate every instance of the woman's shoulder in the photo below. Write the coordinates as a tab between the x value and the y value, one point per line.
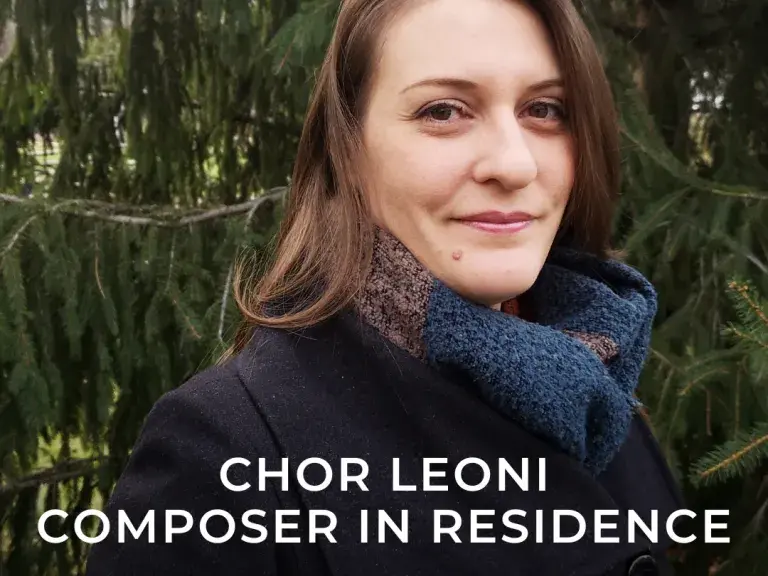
218	412
229	398
226	390
213	398
176	465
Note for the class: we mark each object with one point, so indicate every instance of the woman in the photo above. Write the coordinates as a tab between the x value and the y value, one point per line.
442	288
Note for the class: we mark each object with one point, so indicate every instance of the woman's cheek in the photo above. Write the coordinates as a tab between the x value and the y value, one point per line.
433	176
556	171
415	187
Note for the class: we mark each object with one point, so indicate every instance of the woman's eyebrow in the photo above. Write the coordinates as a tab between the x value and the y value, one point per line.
460	83
544	84
469	85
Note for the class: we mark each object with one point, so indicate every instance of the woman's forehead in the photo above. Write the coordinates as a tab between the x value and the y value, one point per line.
483	42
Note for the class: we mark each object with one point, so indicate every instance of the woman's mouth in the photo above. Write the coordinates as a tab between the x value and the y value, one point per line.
498	222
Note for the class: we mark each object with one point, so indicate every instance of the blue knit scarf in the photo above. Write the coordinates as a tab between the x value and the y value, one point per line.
567	373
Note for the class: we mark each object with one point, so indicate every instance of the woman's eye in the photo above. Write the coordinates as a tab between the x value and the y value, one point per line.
542	110
441	113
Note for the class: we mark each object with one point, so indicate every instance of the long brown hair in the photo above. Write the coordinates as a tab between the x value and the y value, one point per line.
324	245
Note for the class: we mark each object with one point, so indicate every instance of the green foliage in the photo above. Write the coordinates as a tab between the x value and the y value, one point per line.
737	457
101	317
752	329
740	463
136	139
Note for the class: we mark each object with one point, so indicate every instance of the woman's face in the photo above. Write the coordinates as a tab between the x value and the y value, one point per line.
469	160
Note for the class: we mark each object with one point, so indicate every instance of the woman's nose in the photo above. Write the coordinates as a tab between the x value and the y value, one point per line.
505	155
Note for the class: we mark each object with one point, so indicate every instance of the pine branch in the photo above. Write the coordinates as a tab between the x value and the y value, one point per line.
16	236
228	284
224	297
695	381
743	291
735	458
747	337
61	472
96	272
105	211
668	162
753	328
187	320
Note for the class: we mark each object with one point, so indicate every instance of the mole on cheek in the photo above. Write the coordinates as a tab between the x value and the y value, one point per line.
457	255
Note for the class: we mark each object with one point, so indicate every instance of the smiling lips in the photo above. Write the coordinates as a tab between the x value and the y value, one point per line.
498	222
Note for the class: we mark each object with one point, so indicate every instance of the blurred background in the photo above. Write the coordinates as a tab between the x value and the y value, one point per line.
145	143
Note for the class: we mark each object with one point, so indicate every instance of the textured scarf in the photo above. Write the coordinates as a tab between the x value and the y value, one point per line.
566	369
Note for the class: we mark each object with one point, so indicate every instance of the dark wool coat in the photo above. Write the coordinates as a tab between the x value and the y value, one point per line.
342	390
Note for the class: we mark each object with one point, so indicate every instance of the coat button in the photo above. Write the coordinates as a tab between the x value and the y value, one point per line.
644	565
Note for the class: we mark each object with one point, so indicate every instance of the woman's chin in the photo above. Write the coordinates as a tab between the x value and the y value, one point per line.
491	290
